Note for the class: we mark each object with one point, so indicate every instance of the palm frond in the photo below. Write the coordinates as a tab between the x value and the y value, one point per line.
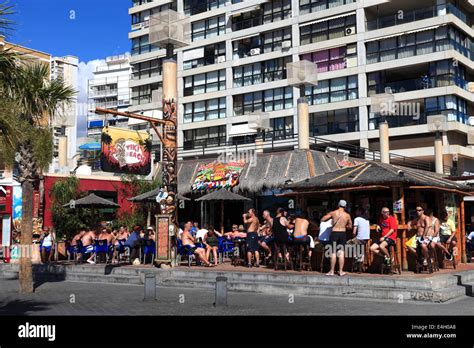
6	24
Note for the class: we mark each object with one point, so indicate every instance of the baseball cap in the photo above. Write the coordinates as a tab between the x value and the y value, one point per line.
342	203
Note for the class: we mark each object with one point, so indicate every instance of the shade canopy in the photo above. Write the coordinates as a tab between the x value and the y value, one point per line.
375	173
223	195
93	201
90	147
150	196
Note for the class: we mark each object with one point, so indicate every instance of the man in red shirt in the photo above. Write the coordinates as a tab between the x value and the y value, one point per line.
388	226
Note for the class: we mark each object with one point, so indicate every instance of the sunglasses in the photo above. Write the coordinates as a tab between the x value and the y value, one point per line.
419	210
385	212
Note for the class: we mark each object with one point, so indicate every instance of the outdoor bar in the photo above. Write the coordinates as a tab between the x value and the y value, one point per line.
373	185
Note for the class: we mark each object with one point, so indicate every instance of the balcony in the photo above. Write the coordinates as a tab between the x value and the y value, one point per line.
419	84
333	128
415	15
102	93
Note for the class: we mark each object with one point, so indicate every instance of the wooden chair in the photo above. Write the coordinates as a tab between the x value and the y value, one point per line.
302	258
282	247
361	267
394	265
447	262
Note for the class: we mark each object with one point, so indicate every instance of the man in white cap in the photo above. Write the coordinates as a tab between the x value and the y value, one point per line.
341	222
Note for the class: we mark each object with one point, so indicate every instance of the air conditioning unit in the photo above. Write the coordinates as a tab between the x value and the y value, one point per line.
137	26
2	174
351	62
221	59
286	44
350	30
254	51
470	121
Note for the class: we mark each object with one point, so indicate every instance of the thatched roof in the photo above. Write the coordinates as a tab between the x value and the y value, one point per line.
271	170
376	174
150	196
222	195
93	201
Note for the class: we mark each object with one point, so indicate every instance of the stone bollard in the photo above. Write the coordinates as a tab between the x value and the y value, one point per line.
150	287
221	292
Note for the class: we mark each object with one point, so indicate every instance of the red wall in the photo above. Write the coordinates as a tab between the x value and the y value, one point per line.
85	185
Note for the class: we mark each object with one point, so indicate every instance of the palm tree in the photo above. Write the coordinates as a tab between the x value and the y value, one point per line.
36	98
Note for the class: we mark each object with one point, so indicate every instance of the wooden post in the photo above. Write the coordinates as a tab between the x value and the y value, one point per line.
395	195
404	260
222	217
462	231
459	234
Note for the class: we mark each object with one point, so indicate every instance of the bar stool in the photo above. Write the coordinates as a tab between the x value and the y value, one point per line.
361	267
395	264
447	262
281	247
302	257
434	259
240	252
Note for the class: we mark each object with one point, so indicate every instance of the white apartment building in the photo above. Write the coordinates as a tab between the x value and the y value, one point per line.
64	123
235	65
109	89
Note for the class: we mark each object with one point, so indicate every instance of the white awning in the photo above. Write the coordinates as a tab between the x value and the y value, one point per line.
240	130
244	10
404	33
328	19
469	198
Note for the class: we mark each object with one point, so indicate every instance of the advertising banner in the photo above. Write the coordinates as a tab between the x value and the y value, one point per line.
217	175
125	151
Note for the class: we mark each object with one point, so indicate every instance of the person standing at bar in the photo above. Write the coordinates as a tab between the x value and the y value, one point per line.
341	223
251	220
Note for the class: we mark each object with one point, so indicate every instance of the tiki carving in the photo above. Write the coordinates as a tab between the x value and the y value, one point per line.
170	180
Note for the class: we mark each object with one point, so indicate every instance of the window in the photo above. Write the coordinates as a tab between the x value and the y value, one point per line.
327	30
282	128
268	100
204	110
272	41
334	90
334	122
141	45
276	10
308	6
204	83
424	42
208	28
204	137
455	108
147	69
192	7
212	54
143	94
267	71
332	59
246	20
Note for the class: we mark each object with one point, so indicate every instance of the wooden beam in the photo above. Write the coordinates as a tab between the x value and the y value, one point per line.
462	227
311	167
459	192
345	174
101	111
395	195
361	188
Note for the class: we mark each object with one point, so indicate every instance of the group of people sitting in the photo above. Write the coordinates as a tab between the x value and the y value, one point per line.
85	242
332	232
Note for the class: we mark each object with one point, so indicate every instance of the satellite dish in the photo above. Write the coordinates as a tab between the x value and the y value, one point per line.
72	204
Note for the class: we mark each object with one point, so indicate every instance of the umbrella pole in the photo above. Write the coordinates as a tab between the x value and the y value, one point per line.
222	217
148	218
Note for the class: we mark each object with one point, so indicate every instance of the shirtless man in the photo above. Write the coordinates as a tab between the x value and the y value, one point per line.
341	223
188	243
77	237
88	244
434	236
267	235
251	220
106	234
422	223
235	233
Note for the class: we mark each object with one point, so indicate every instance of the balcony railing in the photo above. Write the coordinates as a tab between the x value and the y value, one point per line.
420	83
415	15
259	78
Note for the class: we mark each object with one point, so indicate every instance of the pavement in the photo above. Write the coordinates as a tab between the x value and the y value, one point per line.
65	298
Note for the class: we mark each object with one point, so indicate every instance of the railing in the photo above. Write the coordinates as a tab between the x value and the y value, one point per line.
419	83
415	15
260	19
259	78
354	151
323	5
334	128
103	92
418	50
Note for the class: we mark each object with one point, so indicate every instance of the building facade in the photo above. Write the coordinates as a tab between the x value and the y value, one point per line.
419	52
109	89
64	123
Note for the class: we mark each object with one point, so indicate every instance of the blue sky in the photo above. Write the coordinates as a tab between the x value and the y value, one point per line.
88	29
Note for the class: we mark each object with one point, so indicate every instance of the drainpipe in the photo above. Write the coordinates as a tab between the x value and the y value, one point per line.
438	147
303	122
384	142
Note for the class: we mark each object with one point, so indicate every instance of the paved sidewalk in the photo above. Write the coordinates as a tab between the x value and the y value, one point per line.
54	298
